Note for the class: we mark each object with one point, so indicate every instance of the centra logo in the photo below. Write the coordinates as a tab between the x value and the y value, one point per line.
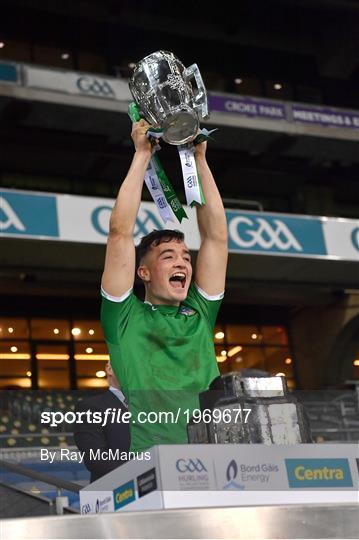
301	473
313	473
124	494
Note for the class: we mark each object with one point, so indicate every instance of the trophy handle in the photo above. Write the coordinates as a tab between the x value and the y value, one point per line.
199	92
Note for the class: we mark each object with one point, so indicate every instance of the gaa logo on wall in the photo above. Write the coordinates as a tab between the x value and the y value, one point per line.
258	232
268	233
96	87
146	222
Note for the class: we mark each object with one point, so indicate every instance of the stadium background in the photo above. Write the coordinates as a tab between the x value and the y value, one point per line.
285	314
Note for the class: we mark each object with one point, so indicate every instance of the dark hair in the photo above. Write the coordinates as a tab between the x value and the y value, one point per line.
155	238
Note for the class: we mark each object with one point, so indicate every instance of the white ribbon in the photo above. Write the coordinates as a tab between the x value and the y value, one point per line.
190	175
154	187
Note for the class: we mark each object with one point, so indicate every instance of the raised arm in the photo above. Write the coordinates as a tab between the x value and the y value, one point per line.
210	274
119	271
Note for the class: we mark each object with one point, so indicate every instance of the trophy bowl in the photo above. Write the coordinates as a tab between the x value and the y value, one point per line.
170	96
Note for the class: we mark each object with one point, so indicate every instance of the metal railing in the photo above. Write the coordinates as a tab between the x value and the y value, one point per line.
61	502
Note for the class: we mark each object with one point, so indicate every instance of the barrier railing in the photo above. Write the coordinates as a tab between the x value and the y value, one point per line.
61	502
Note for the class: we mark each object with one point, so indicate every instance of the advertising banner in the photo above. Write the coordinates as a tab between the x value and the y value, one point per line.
246	106
9	73
72	218
324	116
200	475
112	88
328	117
70	82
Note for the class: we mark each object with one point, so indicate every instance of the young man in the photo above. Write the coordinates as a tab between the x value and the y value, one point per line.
162	350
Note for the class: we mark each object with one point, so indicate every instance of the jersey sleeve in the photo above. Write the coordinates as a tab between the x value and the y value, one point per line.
207	305
115	312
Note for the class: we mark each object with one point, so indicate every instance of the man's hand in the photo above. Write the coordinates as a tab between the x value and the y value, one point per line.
139	137
200	150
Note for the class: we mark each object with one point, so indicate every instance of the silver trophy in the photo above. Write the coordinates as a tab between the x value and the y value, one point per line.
268	413
170	96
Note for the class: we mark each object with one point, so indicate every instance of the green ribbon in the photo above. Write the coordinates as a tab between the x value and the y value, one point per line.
168	190
134	112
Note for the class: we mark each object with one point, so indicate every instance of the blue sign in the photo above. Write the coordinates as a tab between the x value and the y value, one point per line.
246	106
278	110
325	116
28	215
274	234
8	72
318	473
124	494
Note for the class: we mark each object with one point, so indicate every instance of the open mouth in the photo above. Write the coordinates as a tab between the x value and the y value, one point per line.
178	280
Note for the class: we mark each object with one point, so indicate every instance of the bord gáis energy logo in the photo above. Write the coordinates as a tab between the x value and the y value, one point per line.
103	505
249	475
231	475
318	473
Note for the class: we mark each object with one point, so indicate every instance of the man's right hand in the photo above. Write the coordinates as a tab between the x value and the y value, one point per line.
139	137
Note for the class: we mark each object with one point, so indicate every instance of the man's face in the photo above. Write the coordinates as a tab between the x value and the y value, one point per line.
167	272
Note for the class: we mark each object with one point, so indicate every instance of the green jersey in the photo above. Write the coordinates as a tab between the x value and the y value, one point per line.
163	357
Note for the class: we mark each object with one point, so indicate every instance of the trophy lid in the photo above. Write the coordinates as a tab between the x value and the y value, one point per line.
255	386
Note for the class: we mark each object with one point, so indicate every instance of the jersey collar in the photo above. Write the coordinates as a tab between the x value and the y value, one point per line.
164	308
